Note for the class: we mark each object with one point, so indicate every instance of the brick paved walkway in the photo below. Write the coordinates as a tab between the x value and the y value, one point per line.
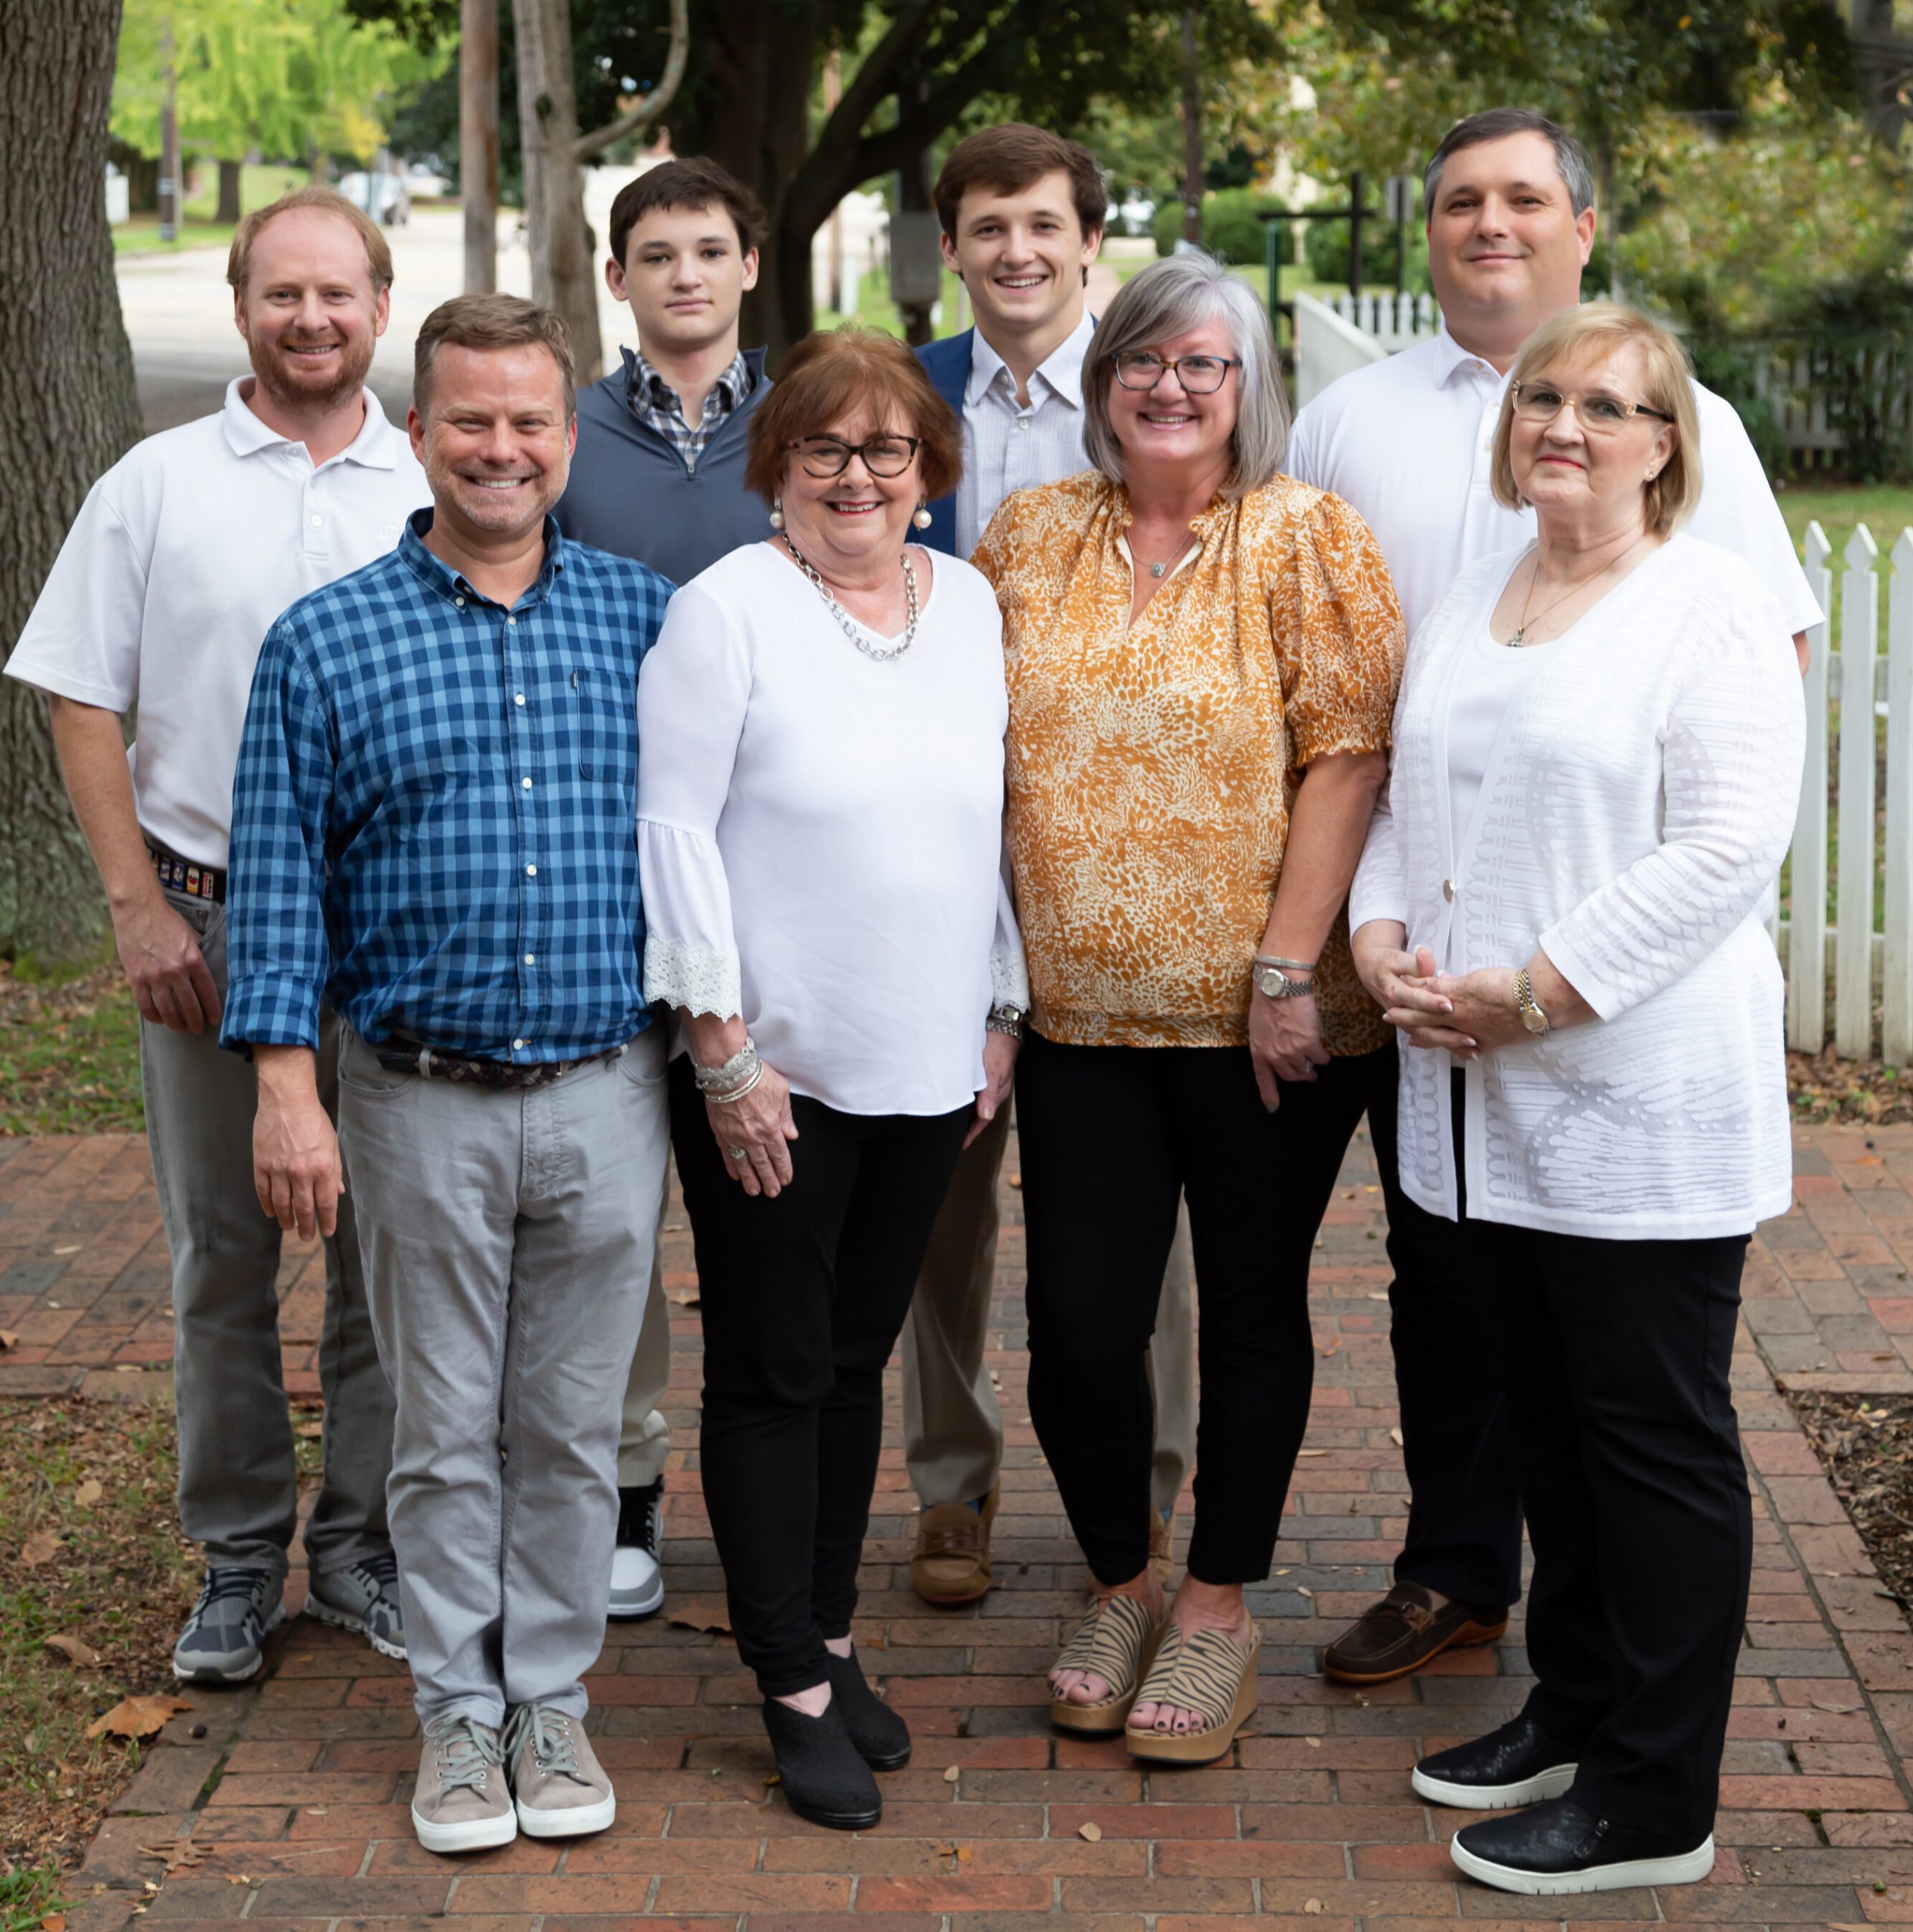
297	1791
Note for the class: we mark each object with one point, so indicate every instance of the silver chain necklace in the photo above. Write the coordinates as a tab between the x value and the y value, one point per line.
852	629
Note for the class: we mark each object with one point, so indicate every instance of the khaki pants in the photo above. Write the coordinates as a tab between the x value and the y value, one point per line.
952	1428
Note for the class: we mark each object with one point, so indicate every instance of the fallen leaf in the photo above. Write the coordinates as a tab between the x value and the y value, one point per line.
180	1854
1312	1906
1302	1590
876	1643
1092	1831
951	1776
1394	1435
1377	1294
1865	1160
1334	1348
89	1492
1313	1743
684	1298
695	1616
73	1247
41	1549
309	1432
9	1339
76	1648
54	1921
963	1852
1839	1710
776	1778
138	1717
1015	1180
1311	1452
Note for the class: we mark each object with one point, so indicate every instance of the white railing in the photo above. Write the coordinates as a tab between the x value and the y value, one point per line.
1863	961
1327	346
1395	321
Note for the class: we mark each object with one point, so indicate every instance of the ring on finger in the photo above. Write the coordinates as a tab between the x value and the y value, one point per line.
739	1153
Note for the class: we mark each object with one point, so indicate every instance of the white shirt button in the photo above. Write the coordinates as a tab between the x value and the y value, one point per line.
460	602
518	1046
317	521
518	697
1447	888
530	957
1023	421
511	620
526	783
531	871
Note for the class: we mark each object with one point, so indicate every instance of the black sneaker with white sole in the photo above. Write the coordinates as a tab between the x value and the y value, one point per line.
220	1644
1518	1764
1561	1848
637	1577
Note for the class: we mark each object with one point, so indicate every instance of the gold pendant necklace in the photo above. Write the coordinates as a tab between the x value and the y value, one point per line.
1514	642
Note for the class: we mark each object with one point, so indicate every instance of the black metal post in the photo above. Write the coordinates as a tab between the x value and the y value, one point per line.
1354	232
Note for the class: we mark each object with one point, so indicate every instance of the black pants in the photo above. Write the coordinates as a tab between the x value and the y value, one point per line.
1465	1498
802	1298
1109	1136
1615	1357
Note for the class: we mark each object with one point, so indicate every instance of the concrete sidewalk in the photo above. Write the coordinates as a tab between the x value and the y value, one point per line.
297	1792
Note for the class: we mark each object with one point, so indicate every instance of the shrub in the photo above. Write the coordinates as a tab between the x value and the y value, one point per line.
1231	227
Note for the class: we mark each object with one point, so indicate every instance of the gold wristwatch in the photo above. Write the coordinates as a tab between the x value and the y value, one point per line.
1533	1018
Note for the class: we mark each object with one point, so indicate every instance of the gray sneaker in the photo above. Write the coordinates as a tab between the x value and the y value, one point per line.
364	1598
562	1789
221	1642
462	1802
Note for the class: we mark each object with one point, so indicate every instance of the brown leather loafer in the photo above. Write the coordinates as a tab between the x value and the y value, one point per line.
1401	1632
952	1564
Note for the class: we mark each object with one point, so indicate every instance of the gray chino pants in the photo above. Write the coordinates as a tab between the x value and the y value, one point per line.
507	1239
238	1494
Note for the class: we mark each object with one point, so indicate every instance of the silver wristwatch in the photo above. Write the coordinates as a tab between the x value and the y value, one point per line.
1006	1017
1273	983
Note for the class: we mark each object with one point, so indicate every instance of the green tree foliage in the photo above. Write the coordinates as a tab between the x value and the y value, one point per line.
290	77
1231	227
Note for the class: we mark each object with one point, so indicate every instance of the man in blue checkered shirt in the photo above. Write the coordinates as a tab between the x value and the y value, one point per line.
434	830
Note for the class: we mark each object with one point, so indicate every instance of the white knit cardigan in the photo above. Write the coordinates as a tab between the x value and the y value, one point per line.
1636	806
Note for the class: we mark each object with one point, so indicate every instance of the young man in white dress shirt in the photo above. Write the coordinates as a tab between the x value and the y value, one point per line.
1509	200
180	559
1022	211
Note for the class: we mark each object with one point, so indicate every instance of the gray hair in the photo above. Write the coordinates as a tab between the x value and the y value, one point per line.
1168	299
1496	124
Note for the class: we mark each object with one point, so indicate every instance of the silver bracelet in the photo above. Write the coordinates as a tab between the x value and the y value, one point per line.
1287	965
724	1099
717	1079
1006	1018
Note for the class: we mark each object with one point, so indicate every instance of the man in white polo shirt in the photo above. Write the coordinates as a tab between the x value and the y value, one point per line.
181	557
1509	201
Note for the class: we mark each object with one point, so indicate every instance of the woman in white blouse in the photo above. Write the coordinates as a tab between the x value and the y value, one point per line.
1597	760
820	831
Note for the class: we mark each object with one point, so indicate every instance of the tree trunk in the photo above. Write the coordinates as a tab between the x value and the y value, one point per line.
230	209
68	342
477	142
1191	133
561	265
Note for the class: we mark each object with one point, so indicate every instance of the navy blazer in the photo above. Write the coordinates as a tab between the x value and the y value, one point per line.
947	364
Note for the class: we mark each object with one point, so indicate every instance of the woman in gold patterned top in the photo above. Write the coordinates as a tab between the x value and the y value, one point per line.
1203	657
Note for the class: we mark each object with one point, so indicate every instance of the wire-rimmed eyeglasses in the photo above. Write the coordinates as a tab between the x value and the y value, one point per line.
1598	413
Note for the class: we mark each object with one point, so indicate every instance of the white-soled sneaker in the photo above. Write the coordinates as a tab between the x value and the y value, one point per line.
462	1802
220	1644
637	1578
364	1598
562	1790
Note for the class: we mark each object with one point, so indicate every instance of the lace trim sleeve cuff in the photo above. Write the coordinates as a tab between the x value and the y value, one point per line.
699	978
1009	977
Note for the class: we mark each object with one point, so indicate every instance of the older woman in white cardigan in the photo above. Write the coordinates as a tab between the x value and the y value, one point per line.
1597	759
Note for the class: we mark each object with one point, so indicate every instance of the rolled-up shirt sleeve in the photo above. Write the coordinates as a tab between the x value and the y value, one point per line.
1338	637
692	694
279	957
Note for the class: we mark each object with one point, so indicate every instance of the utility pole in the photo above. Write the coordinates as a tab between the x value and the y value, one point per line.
1191	133
477	141
170	194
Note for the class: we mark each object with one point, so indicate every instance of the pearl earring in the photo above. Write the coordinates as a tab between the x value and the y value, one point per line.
921	517
777	514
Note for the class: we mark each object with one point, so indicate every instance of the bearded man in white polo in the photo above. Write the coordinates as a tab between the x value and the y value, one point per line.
180	560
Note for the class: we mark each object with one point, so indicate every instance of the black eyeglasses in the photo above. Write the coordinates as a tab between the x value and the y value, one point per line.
1199	375
1598	413
883	456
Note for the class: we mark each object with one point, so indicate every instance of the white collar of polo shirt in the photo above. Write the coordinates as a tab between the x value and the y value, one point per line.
1449	355
375	445
1062	373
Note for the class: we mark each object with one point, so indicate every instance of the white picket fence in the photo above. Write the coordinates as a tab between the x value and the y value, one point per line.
1395	322
1862	961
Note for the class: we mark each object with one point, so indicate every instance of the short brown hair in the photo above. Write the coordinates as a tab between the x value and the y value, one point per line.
1016	156
1578	335
490	322
378	255
828	375
692	183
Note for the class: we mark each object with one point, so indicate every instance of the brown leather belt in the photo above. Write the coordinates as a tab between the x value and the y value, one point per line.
501	1076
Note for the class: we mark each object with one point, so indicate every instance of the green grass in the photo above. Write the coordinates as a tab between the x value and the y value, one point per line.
69	1055
260	184
27	1897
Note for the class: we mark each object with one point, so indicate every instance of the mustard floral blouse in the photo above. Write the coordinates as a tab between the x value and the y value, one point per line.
1151	766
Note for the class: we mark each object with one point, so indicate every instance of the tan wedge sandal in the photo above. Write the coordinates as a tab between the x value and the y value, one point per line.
1208	1673
1117	1640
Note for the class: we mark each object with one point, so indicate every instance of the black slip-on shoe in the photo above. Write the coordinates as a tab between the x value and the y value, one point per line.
821	1776
881	1737
1561	1847
1518	1764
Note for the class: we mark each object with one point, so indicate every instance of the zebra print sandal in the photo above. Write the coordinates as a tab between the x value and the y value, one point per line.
1117	1640
1208	1673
